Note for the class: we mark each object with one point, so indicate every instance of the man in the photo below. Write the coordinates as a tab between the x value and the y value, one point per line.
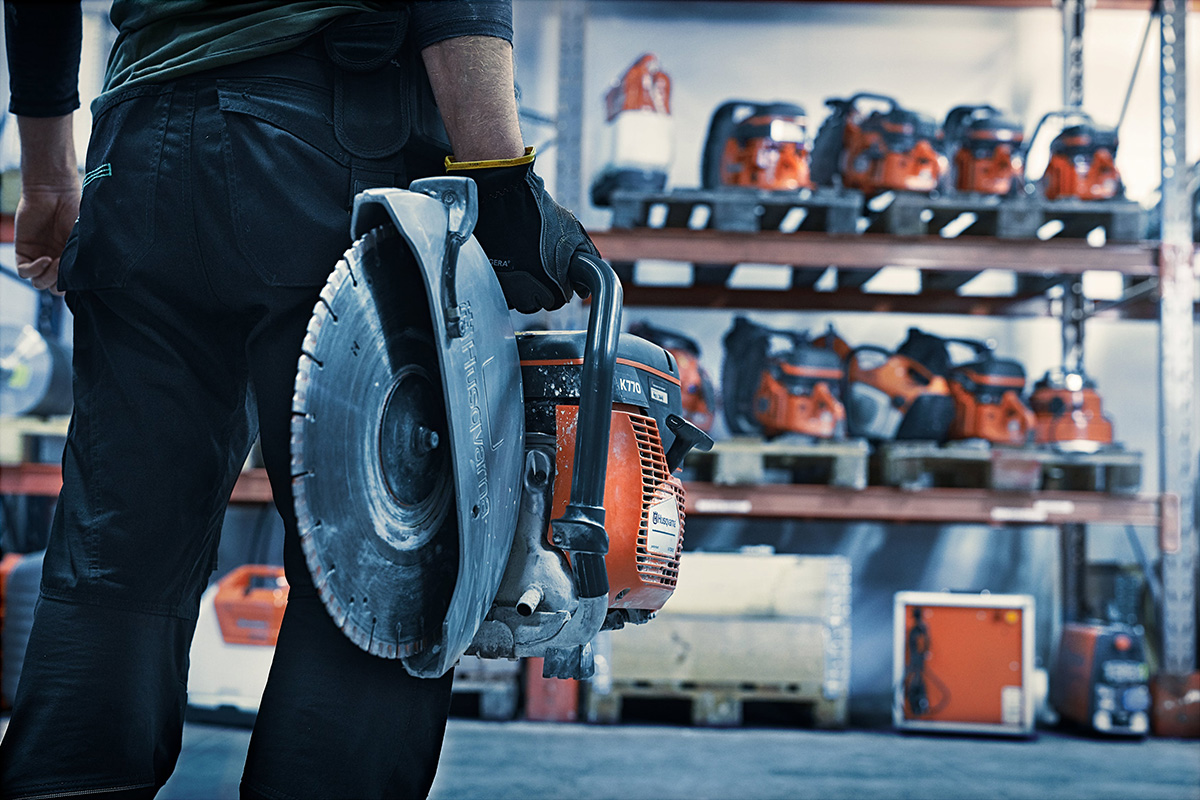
226	148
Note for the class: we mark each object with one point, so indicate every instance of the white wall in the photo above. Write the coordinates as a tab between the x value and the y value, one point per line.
929	58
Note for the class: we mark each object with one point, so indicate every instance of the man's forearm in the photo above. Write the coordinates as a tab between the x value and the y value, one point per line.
472	80
47	152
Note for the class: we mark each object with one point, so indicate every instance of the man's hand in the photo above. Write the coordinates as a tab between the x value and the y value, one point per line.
50	192
528	237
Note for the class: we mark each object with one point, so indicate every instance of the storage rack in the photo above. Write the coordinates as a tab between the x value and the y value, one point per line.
1165	268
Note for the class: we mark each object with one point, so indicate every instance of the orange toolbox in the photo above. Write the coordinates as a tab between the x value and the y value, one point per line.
964	662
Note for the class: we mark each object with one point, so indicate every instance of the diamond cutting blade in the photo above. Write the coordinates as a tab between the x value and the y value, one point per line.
370	454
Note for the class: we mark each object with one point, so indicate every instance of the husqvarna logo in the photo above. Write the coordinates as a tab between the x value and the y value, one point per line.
629	386
658	519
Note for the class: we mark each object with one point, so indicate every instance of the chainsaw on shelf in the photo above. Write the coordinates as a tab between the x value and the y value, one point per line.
463	489
898	395
988	398
695	384
888	149
984	148
756	146
1082	163
779	382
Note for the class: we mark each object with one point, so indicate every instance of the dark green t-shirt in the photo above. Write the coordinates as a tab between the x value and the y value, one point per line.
160	40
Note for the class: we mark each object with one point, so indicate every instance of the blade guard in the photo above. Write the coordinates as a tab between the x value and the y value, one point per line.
481	374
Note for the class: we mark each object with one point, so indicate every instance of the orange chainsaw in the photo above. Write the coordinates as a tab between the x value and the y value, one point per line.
984	148
696	386
890	149
756	146
1082	162
778	382
637	134
1069	413
900	395
988	402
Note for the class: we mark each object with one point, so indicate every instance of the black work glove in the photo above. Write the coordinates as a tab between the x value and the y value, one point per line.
528	237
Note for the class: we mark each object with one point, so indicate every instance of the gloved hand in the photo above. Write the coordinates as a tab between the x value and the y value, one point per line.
528	237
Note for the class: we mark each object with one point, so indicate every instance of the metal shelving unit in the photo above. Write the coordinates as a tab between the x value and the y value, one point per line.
1154	271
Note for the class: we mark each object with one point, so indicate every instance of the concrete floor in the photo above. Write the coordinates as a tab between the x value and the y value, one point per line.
497	761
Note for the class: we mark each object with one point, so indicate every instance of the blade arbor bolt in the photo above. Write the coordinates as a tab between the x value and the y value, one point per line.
426	439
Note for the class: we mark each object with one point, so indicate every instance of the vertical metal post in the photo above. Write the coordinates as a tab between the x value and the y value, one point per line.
568	186
1073	539
1177	363
1073	11
1074	314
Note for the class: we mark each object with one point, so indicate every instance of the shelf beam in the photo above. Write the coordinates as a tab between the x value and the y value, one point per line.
1118	5
805	249
717	296
804	501
45	480
934	506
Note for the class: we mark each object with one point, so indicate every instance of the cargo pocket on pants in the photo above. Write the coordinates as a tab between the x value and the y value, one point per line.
289	180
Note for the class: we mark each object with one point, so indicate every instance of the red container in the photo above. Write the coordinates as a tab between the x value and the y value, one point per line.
549	699
1175	705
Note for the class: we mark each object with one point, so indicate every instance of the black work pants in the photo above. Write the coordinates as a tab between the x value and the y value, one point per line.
214	208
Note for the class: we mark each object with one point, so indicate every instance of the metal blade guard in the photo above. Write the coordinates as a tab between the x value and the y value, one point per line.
407	485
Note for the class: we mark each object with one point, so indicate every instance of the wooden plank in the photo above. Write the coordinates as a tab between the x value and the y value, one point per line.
875	251
933	506
15	432
762	586
717	296
771	501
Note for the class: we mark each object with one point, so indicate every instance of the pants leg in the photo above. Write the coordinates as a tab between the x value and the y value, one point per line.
334	721
154	447
159	432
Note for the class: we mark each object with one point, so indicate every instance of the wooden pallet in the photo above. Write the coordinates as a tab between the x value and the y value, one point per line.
920	465
715	705
824	209
32	439
912	214
747	460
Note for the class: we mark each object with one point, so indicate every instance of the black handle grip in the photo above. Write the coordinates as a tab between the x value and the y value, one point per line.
581	527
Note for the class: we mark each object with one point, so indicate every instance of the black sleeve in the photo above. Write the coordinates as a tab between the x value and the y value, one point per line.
435	20
43	42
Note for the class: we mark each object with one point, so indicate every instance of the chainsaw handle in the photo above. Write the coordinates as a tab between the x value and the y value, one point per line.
882	98
581	527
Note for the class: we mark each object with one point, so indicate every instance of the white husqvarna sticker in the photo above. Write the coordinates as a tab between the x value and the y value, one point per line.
662	534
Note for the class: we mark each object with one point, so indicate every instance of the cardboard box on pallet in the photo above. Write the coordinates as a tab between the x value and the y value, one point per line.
750	626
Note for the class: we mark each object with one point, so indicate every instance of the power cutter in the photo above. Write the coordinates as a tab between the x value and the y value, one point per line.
460	488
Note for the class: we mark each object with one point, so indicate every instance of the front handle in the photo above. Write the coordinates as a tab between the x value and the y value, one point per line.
581	527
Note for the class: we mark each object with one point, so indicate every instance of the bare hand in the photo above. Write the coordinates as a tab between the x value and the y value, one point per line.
44	220
50	192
